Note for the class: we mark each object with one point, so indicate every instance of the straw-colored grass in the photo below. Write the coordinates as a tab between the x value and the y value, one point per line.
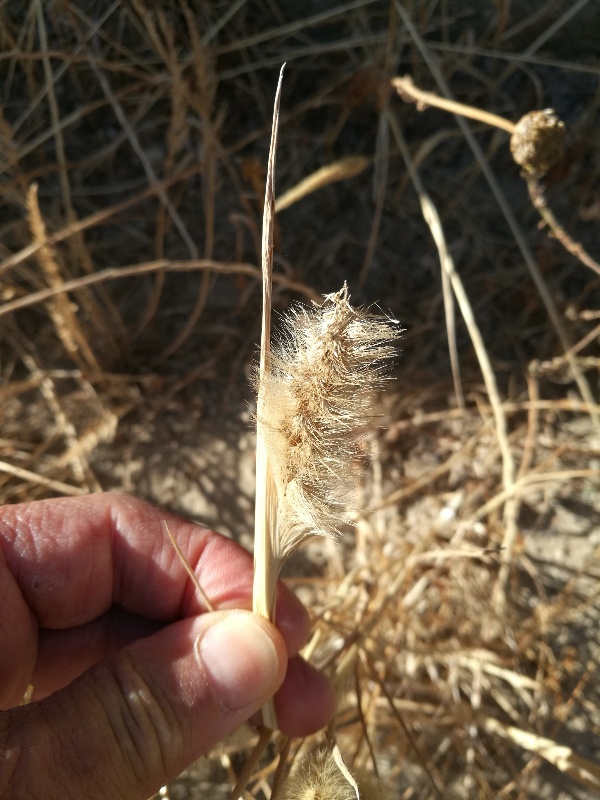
459	615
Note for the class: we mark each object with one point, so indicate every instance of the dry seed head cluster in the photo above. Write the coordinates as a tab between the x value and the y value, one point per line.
538	141
319	391
317	777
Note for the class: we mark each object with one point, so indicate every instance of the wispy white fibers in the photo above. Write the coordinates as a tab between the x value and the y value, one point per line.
322	775
318	393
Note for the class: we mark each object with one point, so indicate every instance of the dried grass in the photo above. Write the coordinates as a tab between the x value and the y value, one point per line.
129	308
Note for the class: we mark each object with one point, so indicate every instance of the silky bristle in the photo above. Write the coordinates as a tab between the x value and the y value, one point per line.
318	391
317	777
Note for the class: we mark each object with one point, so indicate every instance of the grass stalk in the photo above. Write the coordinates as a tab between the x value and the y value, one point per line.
265	516
433	220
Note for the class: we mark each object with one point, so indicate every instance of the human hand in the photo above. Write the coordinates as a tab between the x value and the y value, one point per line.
132	679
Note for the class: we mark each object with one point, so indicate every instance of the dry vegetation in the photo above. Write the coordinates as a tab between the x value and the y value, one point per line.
461	624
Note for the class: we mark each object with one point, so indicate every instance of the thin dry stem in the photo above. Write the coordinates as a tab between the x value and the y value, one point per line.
433	220
583	770
75	455
339	170
538	200
447	264
60	308
408	91
33	477
164	264
265	515
250	763
188	569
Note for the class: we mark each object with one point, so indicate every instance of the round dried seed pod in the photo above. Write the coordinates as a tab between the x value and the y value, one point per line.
538	141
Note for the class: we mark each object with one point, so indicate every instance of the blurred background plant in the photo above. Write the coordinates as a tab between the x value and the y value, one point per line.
460	616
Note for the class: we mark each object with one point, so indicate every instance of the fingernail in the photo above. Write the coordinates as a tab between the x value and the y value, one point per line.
240	660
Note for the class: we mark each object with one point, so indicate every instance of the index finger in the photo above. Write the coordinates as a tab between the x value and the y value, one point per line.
73	558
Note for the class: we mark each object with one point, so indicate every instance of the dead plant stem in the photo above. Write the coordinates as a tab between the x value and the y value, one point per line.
447	264
250	763
406	88
538	200
34	477
166	264
432	218
265	519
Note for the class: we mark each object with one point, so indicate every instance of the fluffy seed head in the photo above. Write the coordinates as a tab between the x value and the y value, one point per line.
317	777
538	141
319	390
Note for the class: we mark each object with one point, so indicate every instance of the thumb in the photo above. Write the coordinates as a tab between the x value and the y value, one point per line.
136	720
